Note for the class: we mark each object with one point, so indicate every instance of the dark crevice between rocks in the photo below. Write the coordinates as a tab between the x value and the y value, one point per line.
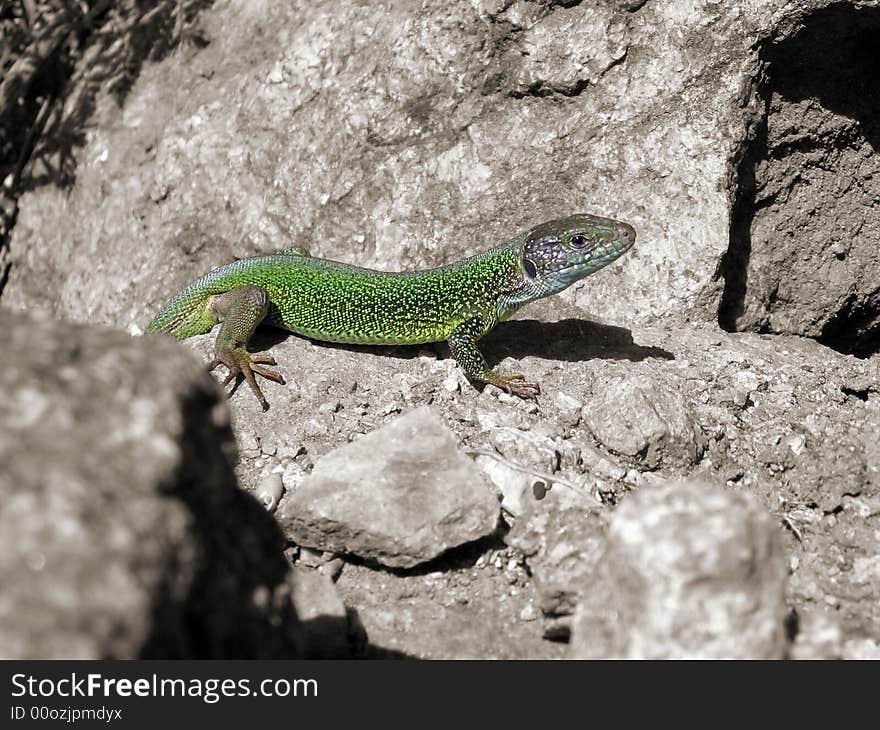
854	330
824	83
462	557
542	89
735	261
861	393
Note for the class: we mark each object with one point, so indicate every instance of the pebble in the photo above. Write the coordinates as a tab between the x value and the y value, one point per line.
314	428
529	613
269	490
249	445
292	475
569	410
286	450
276	75
332	568
796	443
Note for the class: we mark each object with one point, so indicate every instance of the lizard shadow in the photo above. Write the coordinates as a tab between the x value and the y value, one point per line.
571	340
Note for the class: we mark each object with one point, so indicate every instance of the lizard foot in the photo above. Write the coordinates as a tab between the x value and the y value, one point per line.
515	385
240	362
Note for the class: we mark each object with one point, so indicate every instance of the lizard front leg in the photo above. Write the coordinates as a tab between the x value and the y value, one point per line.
240	310
463	344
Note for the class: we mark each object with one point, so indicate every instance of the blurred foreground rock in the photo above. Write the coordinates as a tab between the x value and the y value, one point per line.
322	614
690	571
122	531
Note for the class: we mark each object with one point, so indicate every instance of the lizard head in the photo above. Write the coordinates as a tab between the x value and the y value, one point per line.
557	253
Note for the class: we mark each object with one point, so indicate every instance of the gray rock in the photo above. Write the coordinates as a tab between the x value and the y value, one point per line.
435	124
322	613
803	257
690	570
122	531
561	547
645	420
415	148
401	495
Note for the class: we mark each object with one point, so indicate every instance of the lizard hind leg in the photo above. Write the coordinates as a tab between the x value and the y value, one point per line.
240	310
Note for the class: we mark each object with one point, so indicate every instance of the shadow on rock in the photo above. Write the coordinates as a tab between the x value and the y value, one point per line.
238	605
572	340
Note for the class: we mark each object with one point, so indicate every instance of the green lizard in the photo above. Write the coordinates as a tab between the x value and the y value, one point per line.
335	302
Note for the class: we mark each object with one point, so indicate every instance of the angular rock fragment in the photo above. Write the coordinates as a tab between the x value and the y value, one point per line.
322	614
562	547
400	495
690	570
639	418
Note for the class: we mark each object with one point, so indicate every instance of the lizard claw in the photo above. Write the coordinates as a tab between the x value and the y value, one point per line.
240	362
511	384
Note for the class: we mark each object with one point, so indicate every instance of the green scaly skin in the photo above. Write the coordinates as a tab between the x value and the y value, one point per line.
335	302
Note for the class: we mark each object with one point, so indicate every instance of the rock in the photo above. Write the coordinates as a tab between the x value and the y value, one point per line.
818	636
514	486
322	614
561	547
569	409
803	257
269	491
400	495
123	533
527	448
640	418
435	123
690	570
461	123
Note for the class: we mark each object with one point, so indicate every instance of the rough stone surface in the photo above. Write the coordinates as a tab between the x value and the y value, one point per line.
320	610
644	420
690	571
803	256
561	547
122	531
399	135
401	495
470	605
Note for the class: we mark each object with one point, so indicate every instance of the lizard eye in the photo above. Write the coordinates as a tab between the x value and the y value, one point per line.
578	241
530	268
